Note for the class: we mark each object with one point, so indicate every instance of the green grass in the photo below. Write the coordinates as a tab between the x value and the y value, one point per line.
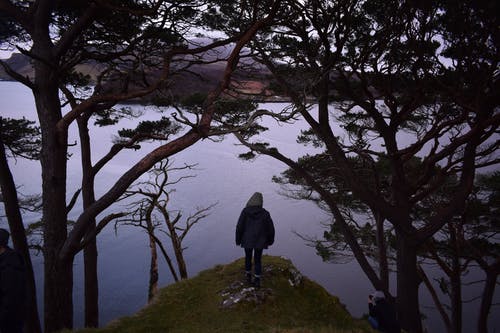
194	306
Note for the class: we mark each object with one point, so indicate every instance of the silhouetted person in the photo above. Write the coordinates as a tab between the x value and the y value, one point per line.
383	315
254	232
12	287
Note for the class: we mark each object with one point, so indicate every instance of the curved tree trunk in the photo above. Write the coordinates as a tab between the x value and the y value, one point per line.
18	235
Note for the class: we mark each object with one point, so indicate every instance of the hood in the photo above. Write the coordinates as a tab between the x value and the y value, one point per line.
378	295
255	200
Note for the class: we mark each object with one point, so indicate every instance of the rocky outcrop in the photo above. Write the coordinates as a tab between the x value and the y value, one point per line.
240	292
220	300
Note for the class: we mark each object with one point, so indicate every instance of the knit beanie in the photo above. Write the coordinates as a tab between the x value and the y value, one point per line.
4	237
255	200
378	295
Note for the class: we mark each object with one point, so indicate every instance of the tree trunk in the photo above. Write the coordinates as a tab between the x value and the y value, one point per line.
177	245
90	251
382	253
407	285
323	89
18	235
58	283
487	297
58	286
58	298
167	258
153	267
91	282
456	282
180	262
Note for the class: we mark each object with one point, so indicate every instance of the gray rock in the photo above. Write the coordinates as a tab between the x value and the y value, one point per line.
237	293
295	278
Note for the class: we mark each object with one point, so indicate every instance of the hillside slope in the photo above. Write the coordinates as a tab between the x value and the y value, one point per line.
199	79
217	300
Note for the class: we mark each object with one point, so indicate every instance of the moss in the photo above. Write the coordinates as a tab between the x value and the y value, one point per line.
194	305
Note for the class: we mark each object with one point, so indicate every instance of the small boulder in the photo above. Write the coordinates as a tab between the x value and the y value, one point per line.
238	292
295	278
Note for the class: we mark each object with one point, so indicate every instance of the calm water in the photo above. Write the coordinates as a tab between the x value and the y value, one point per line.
220	177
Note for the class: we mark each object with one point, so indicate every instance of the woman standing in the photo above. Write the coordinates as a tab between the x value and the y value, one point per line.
254	232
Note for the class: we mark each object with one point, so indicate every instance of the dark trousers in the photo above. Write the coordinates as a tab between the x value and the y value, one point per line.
11	327
257	258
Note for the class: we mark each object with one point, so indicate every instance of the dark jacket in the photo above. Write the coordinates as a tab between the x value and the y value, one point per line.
255	228
385	313
12	287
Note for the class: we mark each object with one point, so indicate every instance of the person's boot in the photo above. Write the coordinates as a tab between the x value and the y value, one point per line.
248	276
256	281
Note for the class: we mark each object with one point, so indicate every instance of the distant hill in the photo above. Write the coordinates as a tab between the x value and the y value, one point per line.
218	300
18	62
199	78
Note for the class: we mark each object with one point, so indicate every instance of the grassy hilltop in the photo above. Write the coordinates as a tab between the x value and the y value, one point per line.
286	302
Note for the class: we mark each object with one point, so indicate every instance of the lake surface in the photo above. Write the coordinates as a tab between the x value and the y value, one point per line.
221	178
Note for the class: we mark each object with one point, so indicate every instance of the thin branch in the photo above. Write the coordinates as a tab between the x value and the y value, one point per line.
435	298
72	202
102	223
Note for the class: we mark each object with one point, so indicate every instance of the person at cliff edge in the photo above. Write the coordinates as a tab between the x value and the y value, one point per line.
254	232
12	287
